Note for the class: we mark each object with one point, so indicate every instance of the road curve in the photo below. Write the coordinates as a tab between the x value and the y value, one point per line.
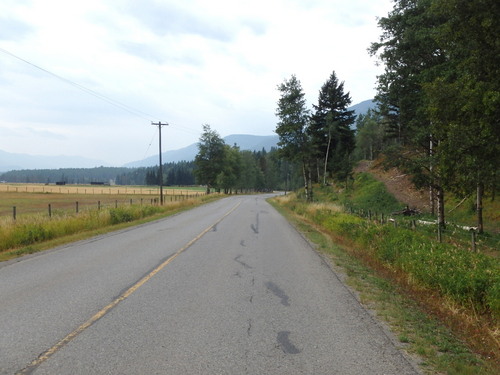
226	288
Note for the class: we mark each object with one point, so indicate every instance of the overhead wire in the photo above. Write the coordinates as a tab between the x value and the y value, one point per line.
105	98
98	95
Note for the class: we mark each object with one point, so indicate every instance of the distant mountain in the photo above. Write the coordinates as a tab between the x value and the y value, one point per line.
363	107
10	161
243	141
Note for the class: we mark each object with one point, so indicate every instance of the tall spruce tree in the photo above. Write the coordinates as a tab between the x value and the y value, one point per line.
331	133
294	143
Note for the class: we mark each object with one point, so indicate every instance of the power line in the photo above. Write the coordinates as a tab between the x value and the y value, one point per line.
98	95
105	98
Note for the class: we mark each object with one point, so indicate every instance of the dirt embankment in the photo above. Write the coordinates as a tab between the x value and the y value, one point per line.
398	184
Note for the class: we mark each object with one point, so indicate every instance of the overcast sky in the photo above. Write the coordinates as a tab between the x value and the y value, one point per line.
184	62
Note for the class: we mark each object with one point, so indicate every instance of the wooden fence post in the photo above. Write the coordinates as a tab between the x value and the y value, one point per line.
76	206
50	210
473	232
14	212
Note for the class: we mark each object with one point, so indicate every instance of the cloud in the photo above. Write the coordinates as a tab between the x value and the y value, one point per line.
186	62
13	29
168	18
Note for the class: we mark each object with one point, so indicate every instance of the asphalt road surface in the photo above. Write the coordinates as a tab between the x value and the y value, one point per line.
226	288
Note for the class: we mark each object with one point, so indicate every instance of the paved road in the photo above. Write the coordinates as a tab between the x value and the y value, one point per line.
227	288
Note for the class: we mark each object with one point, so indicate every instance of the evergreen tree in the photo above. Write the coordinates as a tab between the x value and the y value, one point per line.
330	130
412	59
293	116
465	98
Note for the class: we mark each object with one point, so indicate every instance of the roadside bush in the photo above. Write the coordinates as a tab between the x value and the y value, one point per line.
120	215
126	214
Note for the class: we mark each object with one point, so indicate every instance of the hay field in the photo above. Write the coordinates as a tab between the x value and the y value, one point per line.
35	198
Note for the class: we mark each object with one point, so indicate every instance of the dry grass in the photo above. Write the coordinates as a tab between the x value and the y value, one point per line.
35	198
35	232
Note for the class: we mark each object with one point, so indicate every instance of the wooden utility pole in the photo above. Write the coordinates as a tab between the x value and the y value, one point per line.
160	172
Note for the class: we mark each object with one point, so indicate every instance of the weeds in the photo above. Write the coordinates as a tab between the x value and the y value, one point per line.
18	237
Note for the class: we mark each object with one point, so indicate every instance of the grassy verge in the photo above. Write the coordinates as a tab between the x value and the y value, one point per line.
397	274
35	233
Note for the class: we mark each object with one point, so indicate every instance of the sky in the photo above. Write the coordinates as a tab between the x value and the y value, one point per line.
88	77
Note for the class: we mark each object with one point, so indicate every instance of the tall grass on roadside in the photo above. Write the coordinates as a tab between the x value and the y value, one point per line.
471	279
33	229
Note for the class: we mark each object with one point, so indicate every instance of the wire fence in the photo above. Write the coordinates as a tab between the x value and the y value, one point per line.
96	190
77	206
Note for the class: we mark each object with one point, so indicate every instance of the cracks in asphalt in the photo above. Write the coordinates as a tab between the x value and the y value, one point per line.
255	227
237	259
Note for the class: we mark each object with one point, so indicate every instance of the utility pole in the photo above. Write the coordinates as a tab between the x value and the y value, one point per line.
160	173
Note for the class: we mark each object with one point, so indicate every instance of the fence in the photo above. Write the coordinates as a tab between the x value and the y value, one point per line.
77	206
100	190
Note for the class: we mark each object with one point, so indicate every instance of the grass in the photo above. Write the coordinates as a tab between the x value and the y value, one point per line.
366	194
465	213
453	285
37	232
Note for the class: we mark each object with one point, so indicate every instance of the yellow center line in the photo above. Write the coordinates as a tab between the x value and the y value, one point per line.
47	354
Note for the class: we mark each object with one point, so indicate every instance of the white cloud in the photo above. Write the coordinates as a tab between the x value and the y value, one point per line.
185	62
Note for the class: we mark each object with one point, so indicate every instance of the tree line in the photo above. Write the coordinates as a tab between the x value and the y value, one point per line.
235	170
175	174
439	97
225	168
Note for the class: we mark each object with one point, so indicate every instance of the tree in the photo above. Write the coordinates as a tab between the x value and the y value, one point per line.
370	135
228	177
412	59
464	101
210	158
330	130
294	143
